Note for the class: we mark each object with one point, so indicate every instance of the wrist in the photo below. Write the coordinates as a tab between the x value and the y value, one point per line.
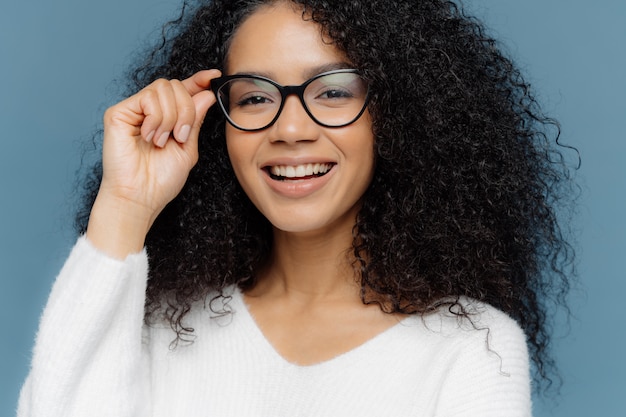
118	227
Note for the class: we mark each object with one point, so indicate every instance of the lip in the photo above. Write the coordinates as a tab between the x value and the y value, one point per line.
297	188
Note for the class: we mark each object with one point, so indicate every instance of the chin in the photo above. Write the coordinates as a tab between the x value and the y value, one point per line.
314	224
297	226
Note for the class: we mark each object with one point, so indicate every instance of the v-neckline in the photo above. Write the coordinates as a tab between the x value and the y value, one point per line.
259	339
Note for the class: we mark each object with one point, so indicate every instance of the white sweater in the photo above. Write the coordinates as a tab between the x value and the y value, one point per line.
93	357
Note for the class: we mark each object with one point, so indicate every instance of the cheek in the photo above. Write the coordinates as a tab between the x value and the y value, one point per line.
242	148
361	146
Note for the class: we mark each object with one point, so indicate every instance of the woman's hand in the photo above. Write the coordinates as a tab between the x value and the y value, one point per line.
150	145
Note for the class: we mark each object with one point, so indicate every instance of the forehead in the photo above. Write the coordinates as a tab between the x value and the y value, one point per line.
278	40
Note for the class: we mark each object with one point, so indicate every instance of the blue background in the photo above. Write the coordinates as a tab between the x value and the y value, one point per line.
58	63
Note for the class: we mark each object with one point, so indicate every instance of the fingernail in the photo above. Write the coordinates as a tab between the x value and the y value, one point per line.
183	134
162	139
150	136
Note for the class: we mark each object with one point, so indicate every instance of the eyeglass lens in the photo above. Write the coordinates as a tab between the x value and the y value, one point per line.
333	99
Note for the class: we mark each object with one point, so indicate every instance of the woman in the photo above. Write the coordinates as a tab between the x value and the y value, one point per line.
347	208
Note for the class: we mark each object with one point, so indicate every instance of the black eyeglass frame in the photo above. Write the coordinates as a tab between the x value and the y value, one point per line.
285	91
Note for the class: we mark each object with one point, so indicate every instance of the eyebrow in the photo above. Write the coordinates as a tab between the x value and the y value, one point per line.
309	73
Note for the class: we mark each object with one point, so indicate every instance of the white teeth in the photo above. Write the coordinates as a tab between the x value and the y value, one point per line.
298	171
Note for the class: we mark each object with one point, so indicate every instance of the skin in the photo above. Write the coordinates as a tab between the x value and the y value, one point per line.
306	301
145	165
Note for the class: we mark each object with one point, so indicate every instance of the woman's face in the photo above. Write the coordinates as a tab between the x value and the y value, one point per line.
277	43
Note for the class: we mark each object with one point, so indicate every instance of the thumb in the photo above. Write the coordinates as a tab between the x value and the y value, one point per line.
202	101
198	86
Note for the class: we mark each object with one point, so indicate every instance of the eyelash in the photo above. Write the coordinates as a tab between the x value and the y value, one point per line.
252	99
336	93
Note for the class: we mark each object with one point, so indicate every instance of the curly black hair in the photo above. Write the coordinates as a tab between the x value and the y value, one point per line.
468	184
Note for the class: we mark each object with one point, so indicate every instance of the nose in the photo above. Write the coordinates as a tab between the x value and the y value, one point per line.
294	124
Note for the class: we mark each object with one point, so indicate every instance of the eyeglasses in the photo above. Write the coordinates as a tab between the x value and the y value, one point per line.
332	99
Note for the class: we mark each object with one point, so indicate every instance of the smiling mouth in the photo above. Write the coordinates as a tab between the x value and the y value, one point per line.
298	172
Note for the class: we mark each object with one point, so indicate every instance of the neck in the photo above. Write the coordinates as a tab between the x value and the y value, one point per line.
310	266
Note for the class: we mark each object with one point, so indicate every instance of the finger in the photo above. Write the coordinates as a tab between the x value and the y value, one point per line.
169	111
203	98
200	81
203	102
150	103
138	116
185	110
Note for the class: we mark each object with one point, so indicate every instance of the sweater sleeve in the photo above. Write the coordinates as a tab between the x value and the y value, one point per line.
88	358
490	376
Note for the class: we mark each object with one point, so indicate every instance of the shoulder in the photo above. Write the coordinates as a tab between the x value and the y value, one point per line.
471	339
467	319
487	367
213	311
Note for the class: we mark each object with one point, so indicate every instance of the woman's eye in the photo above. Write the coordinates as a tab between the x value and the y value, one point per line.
336	93
253	100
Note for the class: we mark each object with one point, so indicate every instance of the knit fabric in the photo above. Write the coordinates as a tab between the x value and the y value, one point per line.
94	357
